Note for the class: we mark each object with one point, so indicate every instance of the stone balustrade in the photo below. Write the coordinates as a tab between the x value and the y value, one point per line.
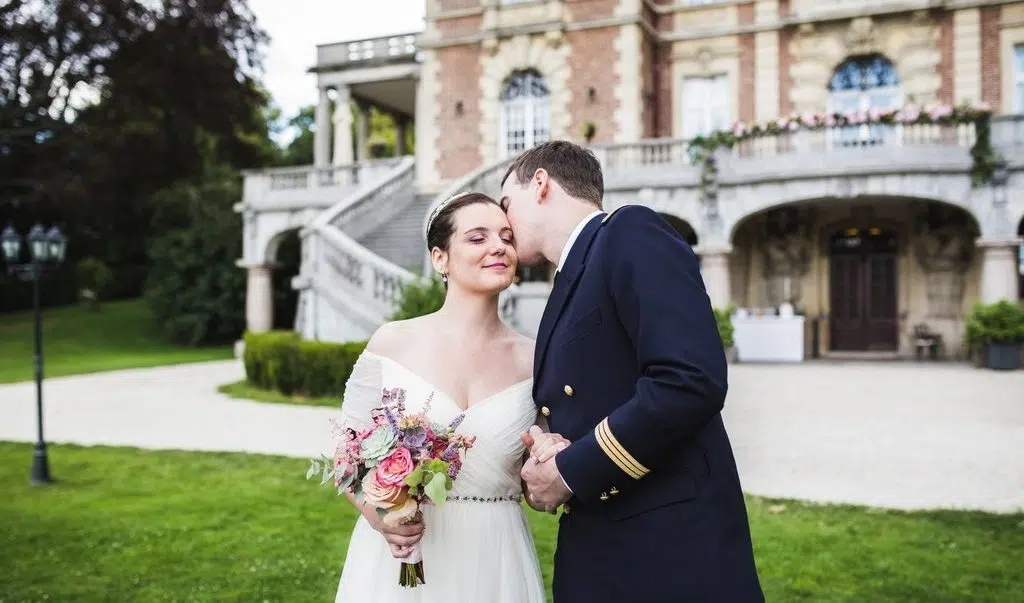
368	52
309	186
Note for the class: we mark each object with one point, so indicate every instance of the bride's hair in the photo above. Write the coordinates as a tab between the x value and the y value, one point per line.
441	224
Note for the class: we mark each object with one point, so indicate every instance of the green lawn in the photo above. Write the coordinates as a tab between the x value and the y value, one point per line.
246	391
121	335
128	525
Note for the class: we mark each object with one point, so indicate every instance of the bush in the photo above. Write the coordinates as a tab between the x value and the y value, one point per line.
419	298
725	329
194	289
281	361
1001	322
93	279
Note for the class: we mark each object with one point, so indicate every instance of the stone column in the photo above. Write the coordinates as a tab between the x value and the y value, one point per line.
322	135
363	133
259	299
342	127
401	127
714	269
999	275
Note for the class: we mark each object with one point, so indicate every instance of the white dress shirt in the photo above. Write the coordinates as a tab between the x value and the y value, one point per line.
575	235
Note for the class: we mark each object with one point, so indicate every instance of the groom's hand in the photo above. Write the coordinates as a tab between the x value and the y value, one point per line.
544	484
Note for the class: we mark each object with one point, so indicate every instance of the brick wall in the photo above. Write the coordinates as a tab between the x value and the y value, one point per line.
991	68
458	143
648	107
748	68
785	59
589	10
592	59
459	26
945	24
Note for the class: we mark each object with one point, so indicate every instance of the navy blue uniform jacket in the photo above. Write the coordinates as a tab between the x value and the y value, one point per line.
629	366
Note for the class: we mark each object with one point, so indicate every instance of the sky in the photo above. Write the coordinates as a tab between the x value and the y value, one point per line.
296	27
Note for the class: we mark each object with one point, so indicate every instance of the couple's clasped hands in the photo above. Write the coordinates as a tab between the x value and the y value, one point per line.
545	489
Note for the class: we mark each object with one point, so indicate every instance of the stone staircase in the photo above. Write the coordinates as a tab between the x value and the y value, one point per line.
399	238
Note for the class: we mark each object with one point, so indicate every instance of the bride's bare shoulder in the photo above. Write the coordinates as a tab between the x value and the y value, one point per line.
392	337
523	347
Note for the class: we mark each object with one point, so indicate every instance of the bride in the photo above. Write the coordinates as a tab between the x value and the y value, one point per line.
478	546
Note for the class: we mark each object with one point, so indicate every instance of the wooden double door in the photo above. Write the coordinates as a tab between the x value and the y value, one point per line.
863	290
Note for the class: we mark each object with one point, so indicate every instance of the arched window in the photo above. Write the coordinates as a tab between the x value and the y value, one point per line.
860	84
525	112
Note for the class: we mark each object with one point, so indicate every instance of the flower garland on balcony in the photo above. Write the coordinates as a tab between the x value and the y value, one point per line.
984	157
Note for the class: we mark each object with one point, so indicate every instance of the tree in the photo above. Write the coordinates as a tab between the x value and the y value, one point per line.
194	289
172	84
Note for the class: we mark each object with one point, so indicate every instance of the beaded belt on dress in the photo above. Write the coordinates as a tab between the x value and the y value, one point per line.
508	498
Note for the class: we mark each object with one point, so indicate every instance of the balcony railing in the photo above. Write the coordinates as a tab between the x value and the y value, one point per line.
387	49
308	186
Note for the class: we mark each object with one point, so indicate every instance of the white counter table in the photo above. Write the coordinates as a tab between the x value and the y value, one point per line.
768	338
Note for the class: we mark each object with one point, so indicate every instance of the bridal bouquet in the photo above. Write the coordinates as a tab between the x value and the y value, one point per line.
398	465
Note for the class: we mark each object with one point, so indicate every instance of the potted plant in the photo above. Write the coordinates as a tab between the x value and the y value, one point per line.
725	329
996	332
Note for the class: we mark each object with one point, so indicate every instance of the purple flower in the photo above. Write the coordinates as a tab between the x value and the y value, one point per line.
415	439
450	452
457	421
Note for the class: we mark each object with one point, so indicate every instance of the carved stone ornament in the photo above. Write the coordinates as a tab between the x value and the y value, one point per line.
490	45
704	58
944	238
861	36
788	239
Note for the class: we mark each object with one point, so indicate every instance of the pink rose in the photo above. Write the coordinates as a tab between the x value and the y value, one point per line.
395	467
381	496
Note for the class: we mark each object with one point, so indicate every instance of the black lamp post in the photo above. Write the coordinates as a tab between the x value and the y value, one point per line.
46	250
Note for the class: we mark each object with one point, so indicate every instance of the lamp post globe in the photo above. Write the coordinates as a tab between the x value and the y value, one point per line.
37	244
10	240
57	245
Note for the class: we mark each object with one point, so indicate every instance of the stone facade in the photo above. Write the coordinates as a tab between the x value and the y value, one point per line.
632	69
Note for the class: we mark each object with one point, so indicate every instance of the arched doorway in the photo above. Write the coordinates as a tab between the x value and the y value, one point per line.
861	84
284	255
863	290
683	228
525	112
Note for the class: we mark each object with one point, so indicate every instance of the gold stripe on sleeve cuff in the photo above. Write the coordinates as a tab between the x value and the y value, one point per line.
611	446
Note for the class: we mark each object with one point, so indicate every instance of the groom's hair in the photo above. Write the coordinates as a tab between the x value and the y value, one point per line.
576	169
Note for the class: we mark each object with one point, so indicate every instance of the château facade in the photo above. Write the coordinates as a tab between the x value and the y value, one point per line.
862	180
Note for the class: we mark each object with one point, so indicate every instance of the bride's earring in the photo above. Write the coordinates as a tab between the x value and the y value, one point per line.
444	278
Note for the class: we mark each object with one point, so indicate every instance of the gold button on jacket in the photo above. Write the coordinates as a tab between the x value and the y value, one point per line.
568	390
544	410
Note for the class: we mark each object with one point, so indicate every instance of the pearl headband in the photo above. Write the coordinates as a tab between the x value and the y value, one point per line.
441	206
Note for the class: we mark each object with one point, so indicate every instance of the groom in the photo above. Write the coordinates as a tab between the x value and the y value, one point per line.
630	369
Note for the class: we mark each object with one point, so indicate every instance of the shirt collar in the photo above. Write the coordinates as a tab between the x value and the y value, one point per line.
574	235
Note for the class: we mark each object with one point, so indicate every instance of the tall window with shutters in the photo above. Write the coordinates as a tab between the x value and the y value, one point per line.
706	105
525	112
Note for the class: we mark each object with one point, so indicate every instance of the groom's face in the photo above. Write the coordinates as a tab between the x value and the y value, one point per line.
521	202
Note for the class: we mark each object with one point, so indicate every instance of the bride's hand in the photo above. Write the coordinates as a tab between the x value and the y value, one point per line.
544	445
401	538
400	552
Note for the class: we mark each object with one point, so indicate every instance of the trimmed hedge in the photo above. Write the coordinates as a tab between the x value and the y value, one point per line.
284	362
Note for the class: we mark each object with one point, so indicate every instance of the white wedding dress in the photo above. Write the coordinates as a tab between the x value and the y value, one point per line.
477	547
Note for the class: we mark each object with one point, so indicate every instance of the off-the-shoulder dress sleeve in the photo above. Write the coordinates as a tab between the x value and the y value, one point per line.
362	392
